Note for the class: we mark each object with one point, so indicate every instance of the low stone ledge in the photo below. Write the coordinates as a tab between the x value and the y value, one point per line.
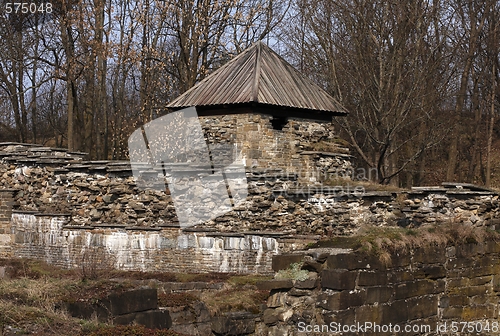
274	284
109	226
223	234
42	214
141	228
78	227
154	319
195	229
274	234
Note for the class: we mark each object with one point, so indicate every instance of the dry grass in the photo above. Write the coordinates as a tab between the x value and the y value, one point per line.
30	300
235	299
240	293
30	305
384	241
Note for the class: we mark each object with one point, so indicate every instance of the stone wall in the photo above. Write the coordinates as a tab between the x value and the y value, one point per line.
98	201
50	238
105	193
426	286
6	204
289	149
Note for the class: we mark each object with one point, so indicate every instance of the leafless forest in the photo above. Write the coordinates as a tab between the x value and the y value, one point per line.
420	78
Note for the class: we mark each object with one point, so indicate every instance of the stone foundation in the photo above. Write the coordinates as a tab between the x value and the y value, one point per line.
48	237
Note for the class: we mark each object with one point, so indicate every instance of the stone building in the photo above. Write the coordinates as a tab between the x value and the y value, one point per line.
272	114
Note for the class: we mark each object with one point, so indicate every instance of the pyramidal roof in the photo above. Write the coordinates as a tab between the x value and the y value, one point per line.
260	79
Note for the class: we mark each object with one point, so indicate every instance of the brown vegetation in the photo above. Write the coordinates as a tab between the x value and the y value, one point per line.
384	241
33	293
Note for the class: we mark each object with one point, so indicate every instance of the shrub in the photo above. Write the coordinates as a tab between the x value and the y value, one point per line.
293	272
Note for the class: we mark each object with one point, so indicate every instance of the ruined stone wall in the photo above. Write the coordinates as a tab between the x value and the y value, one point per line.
6	204
290	149
426	286
98	201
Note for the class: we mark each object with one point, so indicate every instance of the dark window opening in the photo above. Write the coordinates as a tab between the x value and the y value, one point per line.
279	122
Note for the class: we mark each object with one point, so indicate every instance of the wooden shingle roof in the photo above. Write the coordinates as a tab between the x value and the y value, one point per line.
259	81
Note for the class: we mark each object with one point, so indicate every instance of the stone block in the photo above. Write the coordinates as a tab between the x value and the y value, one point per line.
469	250
274	284
444	302
85	310
132	301
430	255
485	270
492	246
486	260
400	259
396	312
478	290
482	280
480	300
380	294
341	300
201	312
344	317
233	324
415	288
422	307
194	329
398	276
478	312
372	278
457	282
371	314
277	299
431	272
458	300
352	261
452	312
310	283
440	286
496	282
271	316
461	262
283	261
183	316
154	319
338	279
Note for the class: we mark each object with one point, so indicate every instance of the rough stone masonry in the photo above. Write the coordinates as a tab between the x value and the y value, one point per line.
56	206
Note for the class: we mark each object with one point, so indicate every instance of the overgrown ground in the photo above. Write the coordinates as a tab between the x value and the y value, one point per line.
383	241
30	300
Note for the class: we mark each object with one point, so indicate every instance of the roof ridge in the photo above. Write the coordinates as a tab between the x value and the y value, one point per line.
255	88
